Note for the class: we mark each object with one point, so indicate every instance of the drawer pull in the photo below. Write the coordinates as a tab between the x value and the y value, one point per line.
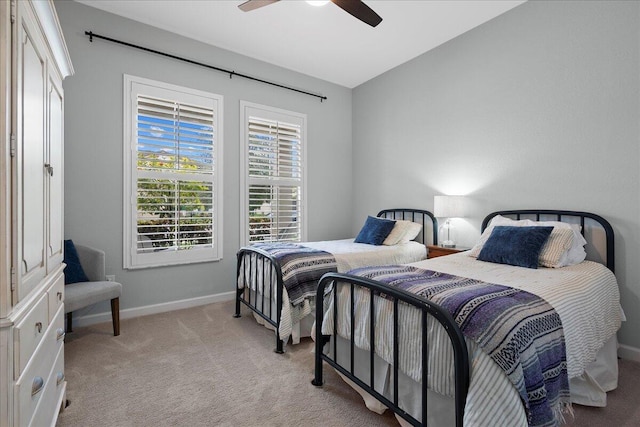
59	378
36	387
39	326
59	295
60	334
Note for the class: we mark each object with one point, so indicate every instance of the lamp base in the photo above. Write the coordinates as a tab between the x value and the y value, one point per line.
448	244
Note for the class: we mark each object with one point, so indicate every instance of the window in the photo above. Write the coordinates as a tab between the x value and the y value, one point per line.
173	174
272	174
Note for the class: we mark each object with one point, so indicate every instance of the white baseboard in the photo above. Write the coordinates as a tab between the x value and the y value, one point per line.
629	353
128	313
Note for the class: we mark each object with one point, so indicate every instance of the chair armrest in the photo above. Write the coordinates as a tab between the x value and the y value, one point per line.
92	261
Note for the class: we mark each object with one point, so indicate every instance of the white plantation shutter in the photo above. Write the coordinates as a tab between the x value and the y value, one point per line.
273	172
174	180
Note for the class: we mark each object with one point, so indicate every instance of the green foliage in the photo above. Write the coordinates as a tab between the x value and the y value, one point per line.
173	213
260	227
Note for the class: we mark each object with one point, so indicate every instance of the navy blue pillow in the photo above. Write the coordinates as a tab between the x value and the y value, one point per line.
518	246
73	272
375	230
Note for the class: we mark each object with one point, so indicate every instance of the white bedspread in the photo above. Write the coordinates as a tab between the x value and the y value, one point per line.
585	296
350	255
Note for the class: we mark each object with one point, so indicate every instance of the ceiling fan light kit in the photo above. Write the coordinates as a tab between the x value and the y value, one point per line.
355	8
317	3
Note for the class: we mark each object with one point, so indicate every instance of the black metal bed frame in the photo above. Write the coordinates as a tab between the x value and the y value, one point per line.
408	214
559	215
270	268
428	308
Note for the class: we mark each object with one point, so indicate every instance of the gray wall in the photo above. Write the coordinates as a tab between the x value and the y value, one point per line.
536	108
93	145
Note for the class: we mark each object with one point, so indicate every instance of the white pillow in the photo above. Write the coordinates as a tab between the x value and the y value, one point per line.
413	229
574	255
402	232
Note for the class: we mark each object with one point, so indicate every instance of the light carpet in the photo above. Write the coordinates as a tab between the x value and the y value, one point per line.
202	367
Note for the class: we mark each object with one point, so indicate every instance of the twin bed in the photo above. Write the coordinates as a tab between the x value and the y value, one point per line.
263	288
436	342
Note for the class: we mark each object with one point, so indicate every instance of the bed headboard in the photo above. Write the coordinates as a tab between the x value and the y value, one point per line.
426	218
596	230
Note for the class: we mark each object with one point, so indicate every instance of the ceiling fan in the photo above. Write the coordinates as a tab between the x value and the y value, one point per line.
354	7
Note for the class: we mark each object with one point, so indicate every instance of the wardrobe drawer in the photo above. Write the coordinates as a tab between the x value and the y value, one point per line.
29	332
49	406
56	296
55	333
32	384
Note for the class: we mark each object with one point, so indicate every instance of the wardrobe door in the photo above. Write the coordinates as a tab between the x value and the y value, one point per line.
31	144
55	176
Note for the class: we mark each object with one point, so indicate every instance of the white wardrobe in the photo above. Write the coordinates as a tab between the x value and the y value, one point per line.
33	62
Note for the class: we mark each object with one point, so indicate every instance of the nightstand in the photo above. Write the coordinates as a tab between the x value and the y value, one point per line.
434	251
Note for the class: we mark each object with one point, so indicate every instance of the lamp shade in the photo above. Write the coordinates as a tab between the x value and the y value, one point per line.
448	206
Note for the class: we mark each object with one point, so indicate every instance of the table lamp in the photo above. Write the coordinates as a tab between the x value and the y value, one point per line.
448	207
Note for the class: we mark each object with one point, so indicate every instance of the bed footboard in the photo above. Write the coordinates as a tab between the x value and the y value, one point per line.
396	296
259	273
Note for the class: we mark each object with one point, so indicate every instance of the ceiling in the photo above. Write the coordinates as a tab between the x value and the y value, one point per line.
323	42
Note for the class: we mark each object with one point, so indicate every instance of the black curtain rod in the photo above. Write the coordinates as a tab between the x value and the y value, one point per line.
231	73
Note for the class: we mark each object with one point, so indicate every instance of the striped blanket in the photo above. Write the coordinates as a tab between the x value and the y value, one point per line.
520	331
301	267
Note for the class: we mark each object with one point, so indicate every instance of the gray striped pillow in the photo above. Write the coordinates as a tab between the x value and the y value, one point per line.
559	242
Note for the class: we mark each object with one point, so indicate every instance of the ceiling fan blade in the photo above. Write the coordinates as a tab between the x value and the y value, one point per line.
360	10
254	4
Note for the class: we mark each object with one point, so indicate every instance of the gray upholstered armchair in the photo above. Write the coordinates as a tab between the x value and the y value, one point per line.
82	294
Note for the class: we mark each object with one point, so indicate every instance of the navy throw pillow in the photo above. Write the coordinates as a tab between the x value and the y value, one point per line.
375	230
518	246
73	272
